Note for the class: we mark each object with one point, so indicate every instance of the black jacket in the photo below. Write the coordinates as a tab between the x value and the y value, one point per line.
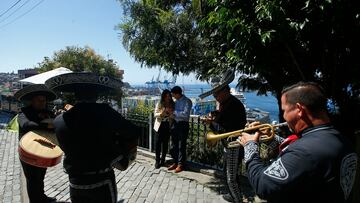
231	116
30	119
319	167
92	135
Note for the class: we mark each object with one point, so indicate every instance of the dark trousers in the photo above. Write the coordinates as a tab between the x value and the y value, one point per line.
179	137
232	160
162	141
93	188
34	182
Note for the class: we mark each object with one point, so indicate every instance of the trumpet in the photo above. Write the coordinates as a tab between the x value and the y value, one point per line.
267	129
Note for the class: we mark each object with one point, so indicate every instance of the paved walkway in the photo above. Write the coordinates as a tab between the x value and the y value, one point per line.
141	182
10	169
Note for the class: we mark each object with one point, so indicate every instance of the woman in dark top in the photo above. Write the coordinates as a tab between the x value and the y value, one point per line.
162	126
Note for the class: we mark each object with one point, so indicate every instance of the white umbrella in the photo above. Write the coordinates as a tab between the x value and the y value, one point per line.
42	77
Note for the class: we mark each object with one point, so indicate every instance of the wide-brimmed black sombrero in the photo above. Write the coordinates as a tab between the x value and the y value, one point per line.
218	83
78	82
28	92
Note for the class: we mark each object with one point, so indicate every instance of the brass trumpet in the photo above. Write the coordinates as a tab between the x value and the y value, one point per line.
267	129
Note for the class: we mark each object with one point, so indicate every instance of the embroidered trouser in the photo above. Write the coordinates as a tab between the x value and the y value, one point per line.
231	170
34	182
93	189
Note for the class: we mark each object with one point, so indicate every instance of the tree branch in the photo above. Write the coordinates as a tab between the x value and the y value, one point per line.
294	61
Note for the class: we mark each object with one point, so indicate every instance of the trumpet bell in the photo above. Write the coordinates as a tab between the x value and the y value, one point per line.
211	142
268	131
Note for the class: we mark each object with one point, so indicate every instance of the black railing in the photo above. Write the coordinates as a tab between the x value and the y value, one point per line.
198	149
143	121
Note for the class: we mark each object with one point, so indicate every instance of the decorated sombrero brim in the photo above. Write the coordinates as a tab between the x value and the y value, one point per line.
218	83
28	92
75	82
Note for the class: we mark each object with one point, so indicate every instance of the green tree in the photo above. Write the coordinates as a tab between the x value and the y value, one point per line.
165	34
271	43
277	43
79	59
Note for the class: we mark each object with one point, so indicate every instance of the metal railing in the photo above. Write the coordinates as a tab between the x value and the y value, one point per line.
198	150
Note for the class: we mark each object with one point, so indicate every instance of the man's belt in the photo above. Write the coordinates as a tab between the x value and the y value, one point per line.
102	171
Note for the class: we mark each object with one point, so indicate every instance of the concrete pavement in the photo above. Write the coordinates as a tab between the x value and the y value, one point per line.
141	182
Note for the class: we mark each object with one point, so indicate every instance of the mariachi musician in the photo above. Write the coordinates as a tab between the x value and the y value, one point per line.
230	116
35	98
316	164
94	137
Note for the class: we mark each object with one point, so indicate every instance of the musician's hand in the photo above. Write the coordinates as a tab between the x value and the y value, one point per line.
253	124
163	114
246	137
67	107
207	120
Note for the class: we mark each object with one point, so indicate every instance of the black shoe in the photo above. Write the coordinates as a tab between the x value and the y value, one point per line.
162	163
157	165
50	199
228	198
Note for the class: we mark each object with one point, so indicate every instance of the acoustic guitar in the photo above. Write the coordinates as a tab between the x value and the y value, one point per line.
40	148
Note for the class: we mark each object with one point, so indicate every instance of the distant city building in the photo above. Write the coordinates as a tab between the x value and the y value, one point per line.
25	73
8	86
8	77
9	103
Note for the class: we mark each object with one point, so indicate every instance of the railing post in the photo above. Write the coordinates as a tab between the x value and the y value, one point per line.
198	132
150	131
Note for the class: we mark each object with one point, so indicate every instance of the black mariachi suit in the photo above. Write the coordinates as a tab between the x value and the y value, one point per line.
231	116
29	119
318	167
87	134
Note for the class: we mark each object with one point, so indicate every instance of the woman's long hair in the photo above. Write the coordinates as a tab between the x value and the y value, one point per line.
163	95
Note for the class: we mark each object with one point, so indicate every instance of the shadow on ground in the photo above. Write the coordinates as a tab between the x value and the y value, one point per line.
218	183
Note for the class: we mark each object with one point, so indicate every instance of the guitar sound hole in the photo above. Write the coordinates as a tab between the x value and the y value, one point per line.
45	143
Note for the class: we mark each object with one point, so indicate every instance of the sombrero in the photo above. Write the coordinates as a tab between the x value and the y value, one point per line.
76	82
218	83
28	92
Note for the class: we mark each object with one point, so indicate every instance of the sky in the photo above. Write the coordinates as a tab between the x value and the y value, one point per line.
29	33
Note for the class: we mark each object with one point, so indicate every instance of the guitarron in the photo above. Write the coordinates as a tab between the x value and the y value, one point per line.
40	148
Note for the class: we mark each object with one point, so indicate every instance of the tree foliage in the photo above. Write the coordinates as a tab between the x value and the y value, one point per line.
277	43
271	43
165	34
83	59
80	59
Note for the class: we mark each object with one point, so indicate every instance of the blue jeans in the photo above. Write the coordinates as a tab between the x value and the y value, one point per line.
179	137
